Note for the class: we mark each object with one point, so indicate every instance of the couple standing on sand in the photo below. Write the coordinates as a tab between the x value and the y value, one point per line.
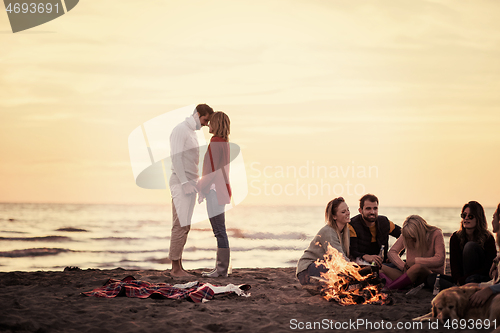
213	186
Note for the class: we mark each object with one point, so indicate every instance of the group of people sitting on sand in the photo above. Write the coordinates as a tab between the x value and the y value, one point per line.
365	237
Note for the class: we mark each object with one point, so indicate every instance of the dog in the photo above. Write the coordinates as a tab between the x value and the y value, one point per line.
453	304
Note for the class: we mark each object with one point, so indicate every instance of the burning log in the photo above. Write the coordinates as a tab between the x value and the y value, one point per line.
346	283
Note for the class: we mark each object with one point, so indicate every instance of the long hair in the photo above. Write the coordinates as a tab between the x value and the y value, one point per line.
416	232
481	233
330	212
219	121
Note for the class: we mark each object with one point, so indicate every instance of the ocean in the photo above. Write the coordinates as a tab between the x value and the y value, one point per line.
50	237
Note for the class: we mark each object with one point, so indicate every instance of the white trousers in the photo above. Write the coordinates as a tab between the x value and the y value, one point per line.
182	212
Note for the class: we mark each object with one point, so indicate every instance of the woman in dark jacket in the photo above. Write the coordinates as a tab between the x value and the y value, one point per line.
472	247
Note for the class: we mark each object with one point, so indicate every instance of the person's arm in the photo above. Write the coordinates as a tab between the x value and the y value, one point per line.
439	257
494	269
480	297
332	238
393	254
491	252
207	179
313	252
216	155
177	140
394	230
495	225
495	288
353	245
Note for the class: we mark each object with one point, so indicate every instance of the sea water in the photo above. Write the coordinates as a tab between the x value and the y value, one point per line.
53	236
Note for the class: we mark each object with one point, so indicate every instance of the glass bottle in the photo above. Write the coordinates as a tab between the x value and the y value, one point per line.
436	285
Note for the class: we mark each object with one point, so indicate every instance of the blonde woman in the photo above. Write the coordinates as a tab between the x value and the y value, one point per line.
334	233
214	186
425	254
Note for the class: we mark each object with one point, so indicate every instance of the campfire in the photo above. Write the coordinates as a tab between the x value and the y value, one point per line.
347	283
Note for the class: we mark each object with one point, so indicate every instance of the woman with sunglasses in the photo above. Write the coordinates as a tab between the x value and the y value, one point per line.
335	233
425	254
472	247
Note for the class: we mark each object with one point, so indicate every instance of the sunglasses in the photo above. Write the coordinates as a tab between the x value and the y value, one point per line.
466	216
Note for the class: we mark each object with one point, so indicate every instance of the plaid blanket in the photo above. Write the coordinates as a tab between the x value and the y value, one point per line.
130	287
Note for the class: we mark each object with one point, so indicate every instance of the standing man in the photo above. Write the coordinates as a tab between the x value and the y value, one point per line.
184	152
369	231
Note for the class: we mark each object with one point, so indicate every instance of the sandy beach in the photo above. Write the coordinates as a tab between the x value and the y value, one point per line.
52	302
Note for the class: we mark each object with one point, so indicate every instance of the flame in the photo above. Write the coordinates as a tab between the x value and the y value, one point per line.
345	285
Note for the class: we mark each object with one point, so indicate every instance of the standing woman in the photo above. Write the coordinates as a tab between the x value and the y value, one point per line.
425	254
472	247
334	233
214	186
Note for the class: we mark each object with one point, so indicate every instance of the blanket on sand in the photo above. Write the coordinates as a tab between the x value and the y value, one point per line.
191	291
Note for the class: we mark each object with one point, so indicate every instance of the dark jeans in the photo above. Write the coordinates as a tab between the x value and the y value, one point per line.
217	220
474	260
312	270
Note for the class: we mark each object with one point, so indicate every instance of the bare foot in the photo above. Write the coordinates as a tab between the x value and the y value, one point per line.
181	273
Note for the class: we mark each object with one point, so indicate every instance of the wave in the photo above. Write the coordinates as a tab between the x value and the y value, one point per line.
124	238
71	229
239	233
36	252
151	222
32	252
12	232
265	248
125	251
269	235
200	249
38	239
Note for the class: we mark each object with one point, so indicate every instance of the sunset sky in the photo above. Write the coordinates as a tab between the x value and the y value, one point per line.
326	98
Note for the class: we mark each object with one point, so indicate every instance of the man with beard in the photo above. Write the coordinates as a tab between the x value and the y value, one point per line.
369	231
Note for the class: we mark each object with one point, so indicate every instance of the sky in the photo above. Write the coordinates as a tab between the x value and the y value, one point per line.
326	98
